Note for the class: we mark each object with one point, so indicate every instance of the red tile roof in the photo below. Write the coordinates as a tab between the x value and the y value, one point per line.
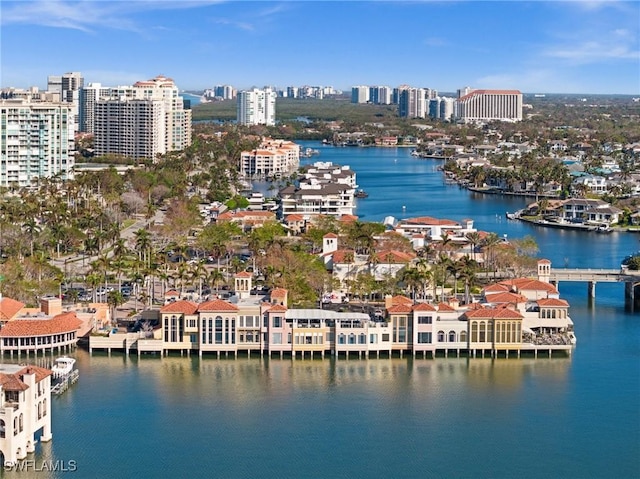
172	292
399	309
62	323
11	382
40	373
423	307
294	217
330	235
278	308
217	305
182	307
278	293
399	299
505	297
393	257
444	307
244	274
428	220
561	303
9	308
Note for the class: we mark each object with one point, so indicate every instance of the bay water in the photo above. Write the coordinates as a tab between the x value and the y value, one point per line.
574	417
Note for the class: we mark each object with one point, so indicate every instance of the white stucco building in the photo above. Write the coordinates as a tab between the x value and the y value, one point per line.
25	409
486	105
37	141
257	107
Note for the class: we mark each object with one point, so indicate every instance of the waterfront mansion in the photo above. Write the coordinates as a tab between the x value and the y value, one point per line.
25	409
514	316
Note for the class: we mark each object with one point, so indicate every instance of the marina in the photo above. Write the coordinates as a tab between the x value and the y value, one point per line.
542	409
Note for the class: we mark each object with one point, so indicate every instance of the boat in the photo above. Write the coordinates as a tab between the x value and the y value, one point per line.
361	194
604	229
63	367
511	216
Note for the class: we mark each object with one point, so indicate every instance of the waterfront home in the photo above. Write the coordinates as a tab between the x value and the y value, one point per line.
517	315
271	158
589	210
25	410
323	189
597	185
434	228
40	330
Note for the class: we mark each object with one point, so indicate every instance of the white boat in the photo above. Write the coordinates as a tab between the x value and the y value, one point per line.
62	367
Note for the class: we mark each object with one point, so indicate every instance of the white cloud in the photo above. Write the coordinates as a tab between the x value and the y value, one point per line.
528	81
593	51
88	15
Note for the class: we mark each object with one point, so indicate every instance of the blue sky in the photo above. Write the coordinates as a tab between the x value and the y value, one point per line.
536	47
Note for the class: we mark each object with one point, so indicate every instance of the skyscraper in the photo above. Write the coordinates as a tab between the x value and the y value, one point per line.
139	121
257	107
37	141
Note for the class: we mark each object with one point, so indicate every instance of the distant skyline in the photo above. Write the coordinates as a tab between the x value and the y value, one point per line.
536	47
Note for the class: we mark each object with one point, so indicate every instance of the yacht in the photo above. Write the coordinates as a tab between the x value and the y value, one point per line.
62	367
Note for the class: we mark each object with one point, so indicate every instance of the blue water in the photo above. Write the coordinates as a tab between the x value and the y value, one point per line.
576	417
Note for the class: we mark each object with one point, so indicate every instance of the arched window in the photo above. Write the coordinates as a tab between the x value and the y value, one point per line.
39	410
44	407
463	337
352	338
15	426
452	336
21	422
362	339
474	331
483	332
3	428
441	336
553	314
341	338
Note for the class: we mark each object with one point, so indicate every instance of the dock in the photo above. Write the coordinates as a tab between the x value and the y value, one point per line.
65	382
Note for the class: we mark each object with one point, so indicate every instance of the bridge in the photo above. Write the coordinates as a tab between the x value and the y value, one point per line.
630	278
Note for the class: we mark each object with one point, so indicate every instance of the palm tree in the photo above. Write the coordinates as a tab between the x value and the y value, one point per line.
474	239
31	228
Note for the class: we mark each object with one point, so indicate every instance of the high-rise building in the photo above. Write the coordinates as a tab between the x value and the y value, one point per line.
139	121
359	94
37	141
413	103
68	86
257	107
486	105
89	96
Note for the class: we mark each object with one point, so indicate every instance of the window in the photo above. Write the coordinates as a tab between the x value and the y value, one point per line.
362	339
373	338
424	338
341	338
441	336
277	322
385	338
425	319
483	333
463	337
3	428
352	338
452	336
218	330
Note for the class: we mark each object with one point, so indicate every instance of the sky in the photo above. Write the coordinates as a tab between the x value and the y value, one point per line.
570	46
